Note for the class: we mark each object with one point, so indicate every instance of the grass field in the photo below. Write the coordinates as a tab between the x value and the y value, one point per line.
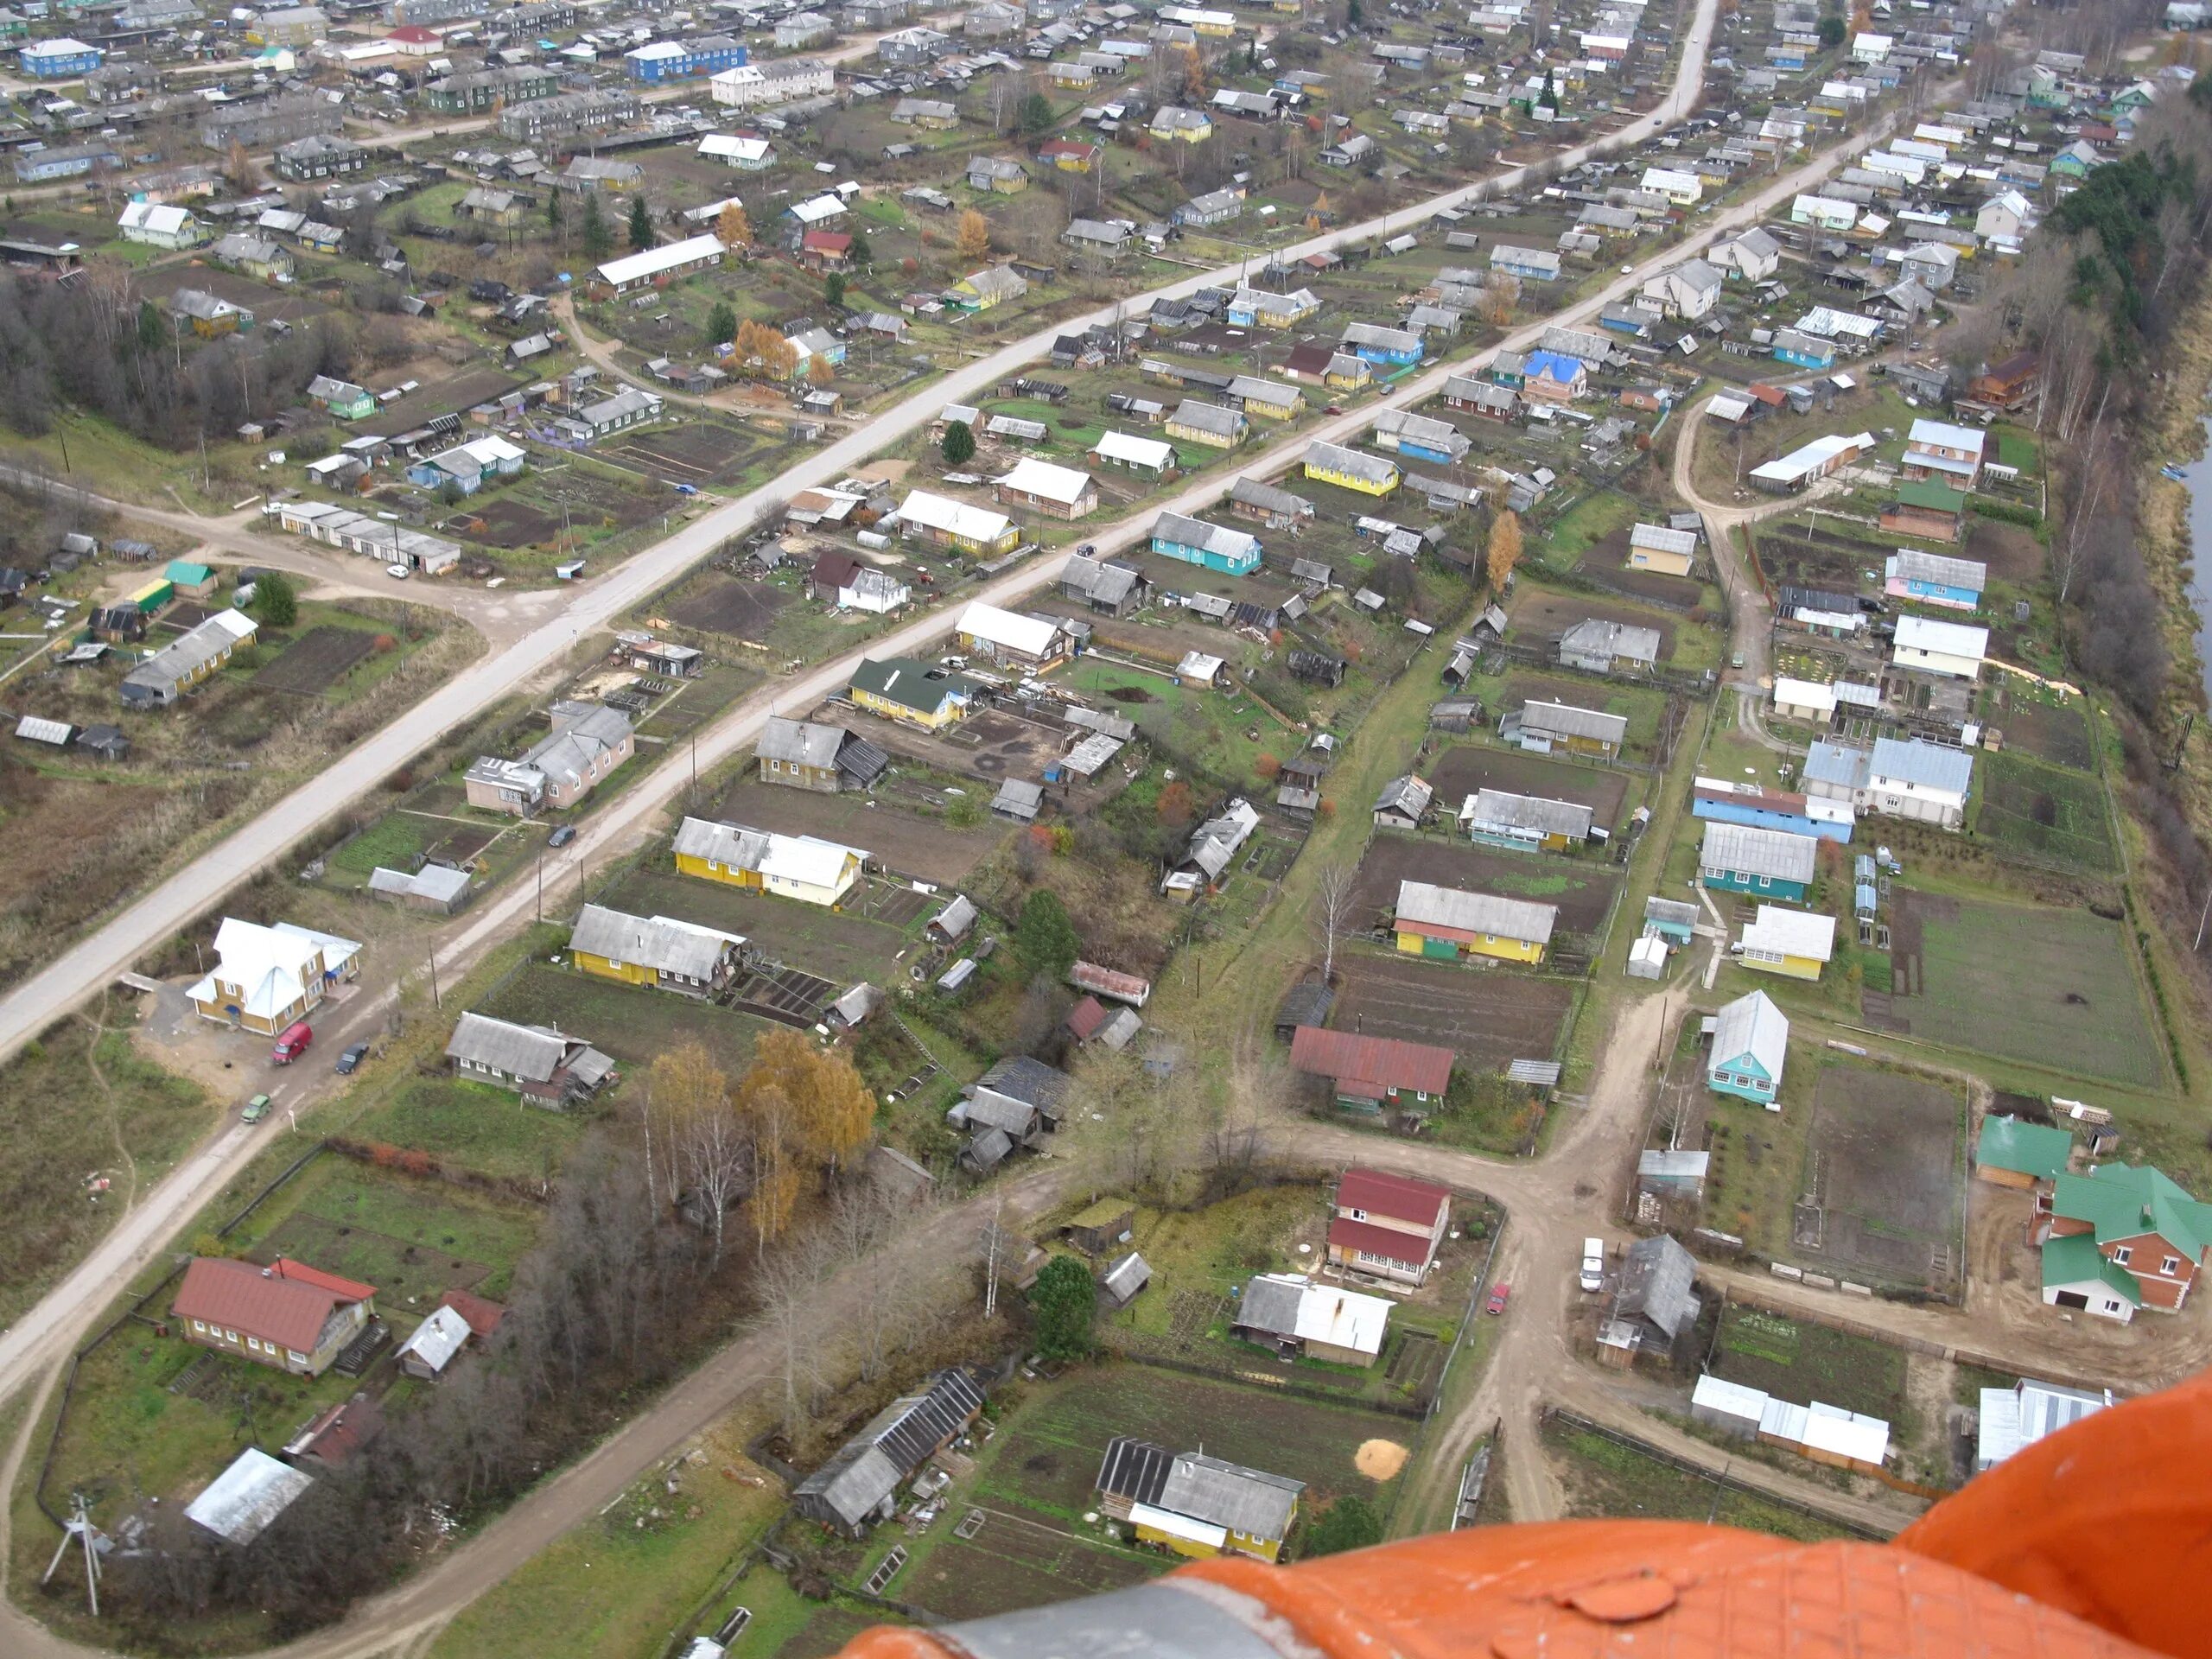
2041	984
475	1126
1801	1362
66	1103
1589	520
627	1022
2044	811
1605	1479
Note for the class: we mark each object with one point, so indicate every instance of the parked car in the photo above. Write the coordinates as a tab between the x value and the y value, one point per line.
1593	1264
352	1058
293	1044
256	1109
396	572
1497	1298
561	835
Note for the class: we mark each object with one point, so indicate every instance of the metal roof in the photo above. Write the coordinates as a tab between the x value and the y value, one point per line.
238	1505
661	943
1455	910
1658	1285
1790	933
1752	1025
1228	1495
1922	764
1746	849
1498	809
1564	720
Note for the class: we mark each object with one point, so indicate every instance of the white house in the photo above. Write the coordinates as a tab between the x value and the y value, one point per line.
1824	212
1913	778
160	225
1688	290
1682	188
1754	256
1954	650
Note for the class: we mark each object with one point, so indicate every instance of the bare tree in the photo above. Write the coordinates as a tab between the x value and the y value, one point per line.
790	1286
1332	899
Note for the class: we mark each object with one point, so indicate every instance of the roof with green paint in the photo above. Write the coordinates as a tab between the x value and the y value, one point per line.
2123	1200
2035	1149
1929	494
2076	1260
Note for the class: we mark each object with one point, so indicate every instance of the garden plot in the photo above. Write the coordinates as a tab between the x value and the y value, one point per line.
1489	1019
454	393
1804	557
2055	732
1644	706
704	452
720	604
1606	563
2043	812
2044	984
905	842
1801	1362
846	944
1462	769
1881	1183
1582	890
268	304
316	661
1540	616
2011	551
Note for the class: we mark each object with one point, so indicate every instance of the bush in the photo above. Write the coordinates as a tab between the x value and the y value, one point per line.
1065	1302
2009	513
276	601
1348	1523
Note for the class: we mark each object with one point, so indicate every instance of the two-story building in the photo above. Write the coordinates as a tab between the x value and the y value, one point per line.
267	977
2122	1237
1945	453
1390	1226
1751	1047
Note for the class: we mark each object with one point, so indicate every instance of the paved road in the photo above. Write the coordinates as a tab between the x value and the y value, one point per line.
53	991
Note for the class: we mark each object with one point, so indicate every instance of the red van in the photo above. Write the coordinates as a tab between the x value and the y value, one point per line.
293	1044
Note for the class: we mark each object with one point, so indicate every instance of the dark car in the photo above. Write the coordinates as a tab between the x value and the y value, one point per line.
352	1058
561	835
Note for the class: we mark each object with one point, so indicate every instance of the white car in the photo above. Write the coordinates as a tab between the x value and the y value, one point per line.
1593	1264
396	572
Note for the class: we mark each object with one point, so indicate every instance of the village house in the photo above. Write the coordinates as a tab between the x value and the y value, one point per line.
537	1062
1194	1505
1598	646
183	664
587	743
1901	778
1332	463
288	1315
441	887
1211	547
1543	726
1388	1226
658	951
267	977
1109	587
1655	1304
1214	425
1770	863
1056	492
1015	1103
1211	850
2119	1237
2008	1420
1933	512
805	868
859	1484
914	693
1751	1046
1294	1315
1945	453
1451	925
1521	824
943	522
1793	942
806	755
1012	639
2012	1151
1403	803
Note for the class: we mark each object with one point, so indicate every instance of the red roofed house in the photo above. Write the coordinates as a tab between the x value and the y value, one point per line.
413	40
826	250
1388	1225
1372	1072
483	1317
288	1315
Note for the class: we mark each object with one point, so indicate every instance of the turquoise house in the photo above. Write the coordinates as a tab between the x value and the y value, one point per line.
1768	863
1213	547
1750	1042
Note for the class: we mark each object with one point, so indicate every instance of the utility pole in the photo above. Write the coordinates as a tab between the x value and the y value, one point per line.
991	1237
435	1000
541	884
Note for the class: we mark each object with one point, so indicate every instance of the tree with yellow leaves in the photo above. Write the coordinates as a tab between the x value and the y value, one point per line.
771	1130
733	227
703	1150
1195	90
818	371
1504	548
831	1110
975	239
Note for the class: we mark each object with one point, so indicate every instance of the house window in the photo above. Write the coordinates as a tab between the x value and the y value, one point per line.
2123	1254
2170	1266
230	1336
200	1327
2111	1306
254	1343
1356	1215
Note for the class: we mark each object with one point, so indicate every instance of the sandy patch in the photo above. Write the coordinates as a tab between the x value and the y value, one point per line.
883	471
1379	1460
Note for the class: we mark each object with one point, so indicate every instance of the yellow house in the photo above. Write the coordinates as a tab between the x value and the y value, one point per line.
1449	924
804	867
1348	372
1270	400
1195	1505
266	977
1332	463
1175	124
1655	547
914	693
1794	944
657	952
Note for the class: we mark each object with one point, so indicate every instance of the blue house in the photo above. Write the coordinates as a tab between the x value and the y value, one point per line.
59	60
1806	351
666	61
1670	919
1232	552
1392	347
1933	578
1751	1044
1786	57
43	166
1718	800
1771	863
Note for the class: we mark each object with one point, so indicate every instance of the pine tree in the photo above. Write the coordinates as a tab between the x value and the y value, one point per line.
833	291
599	241
721	325
641	224
959	444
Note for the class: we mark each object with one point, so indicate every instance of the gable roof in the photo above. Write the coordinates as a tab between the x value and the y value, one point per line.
1790	933
1134	1469
660	943
1399	1196
286	1302
1382	1064
2074	1259
1658	1283
1752	1025
896	1441
803	742
2037	1149
1455	909
1223	1494
1749	850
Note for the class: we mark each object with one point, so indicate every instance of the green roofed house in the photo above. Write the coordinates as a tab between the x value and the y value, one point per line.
901	689
2013	1153
191	579
2119	1237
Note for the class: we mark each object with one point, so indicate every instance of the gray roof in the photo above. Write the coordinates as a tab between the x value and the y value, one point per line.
956	918
1596	637
1032	1082
1838	764
1539	812
441	882
1020	797
1659	1286
532	1053
897	1441
1248	1501
1564	720
1253	493
1930	765
1103	582
1126	1276
1671	910
1206	417
806	743
1270	1303
1746	849
1908	565
1409	795
659	942
1476	912
1186	531
1752	1025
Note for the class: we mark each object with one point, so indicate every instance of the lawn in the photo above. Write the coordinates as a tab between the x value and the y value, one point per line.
1225	733
2041	984
394	840
475	1126
66	1102
1605	1479
629	1021
613	1587
2045	812
1586	523
1799	1362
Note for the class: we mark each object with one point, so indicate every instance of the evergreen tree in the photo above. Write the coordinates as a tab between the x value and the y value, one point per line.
833	291
1066	1303
641	224
599	241
275	601
152	334
958	446
1036	112
721	325
1044	938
